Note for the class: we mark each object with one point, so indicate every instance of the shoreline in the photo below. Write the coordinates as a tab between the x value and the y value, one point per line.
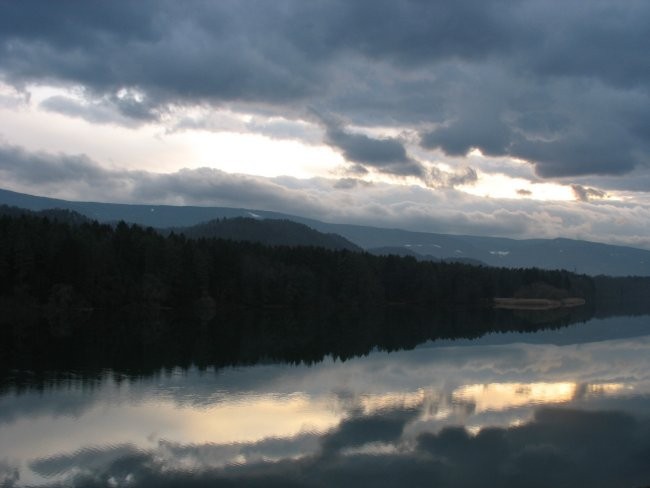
537	303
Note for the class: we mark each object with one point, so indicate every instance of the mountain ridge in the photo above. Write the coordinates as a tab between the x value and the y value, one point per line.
270	232
559	253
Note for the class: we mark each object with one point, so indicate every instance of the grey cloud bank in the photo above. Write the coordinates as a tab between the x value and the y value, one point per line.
345	200
561	84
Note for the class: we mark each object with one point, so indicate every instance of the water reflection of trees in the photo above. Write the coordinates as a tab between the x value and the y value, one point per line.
141	341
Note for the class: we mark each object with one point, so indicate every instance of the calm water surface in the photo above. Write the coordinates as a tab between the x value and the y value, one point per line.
563	408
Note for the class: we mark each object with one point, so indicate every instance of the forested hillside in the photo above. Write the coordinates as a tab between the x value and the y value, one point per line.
44	261
271	232
59	214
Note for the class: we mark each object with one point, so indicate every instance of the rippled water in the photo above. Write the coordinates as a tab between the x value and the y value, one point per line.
563	408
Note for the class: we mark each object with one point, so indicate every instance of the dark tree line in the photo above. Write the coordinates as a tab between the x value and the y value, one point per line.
44	261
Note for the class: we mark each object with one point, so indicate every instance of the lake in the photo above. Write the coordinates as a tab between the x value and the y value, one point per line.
567	407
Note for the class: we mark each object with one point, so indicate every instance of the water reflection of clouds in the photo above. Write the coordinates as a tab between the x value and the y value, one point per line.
277	420
558	447
504	396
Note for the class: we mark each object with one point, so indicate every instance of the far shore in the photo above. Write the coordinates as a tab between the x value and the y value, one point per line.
537	303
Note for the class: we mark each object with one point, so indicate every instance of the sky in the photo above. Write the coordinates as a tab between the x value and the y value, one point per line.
511	118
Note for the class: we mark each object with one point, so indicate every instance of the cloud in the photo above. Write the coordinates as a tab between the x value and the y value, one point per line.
585	194
82	178
12	98
572	134
44	168
126	111
170	53
9	474
387	155
349	183
565	89
465	177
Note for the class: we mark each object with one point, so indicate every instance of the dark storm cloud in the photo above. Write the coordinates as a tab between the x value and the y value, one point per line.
560	84
608	37
566	127
191	52
407	32
387	155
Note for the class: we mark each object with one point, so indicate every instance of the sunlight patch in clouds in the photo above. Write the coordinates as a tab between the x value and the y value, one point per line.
228	142
503	186
256	154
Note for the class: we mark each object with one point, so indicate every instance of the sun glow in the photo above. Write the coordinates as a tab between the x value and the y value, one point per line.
257	154
184	137
502	186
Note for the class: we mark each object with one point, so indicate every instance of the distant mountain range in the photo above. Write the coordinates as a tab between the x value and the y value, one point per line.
574	255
